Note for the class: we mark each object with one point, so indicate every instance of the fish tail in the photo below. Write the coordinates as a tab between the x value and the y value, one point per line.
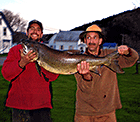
113	62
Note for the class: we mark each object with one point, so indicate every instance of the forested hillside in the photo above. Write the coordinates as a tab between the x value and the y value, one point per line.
123	28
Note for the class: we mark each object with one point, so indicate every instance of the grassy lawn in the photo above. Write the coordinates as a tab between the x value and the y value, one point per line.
1	55
64	89
5	113
129	86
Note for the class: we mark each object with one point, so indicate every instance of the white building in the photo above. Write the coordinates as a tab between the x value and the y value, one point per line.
67	40
6	33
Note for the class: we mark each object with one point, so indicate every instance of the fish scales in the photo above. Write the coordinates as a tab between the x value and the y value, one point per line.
62	62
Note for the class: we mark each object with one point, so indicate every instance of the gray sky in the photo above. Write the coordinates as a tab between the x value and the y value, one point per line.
67	14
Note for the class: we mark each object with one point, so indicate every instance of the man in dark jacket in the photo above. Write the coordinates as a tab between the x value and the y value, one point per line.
29	94
97	96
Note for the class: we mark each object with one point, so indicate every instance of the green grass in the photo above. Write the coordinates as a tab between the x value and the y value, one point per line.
5	113
64	89
5	54
129	86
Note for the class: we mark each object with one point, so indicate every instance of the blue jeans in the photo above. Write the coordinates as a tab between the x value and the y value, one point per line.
38	115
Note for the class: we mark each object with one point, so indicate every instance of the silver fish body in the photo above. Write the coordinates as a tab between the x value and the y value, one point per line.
62	62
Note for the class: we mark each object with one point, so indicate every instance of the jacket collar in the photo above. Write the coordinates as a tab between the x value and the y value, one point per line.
87	52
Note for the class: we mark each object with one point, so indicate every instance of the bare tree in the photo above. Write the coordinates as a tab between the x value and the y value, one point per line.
16	22
136	4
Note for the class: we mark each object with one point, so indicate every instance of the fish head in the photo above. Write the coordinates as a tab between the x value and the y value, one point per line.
30	45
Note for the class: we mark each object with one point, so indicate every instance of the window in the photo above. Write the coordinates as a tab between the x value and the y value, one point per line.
0	21
54	47
61	47
70	47
51	46
81	49
4	31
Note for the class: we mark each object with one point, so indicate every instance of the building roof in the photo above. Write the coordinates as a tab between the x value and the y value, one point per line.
66	36
4	18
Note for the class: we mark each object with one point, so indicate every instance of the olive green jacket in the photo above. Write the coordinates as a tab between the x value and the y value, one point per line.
101	95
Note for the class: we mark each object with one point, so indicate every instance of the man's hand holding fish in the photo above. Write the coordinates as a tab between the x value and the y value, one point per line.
26	58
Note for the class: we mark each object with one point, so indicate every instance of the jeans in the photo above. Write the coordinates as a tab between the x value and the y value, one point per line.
38	115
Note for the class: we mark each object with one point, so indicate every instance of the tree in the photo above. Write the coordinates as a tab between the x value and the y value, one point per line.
136	4
16	22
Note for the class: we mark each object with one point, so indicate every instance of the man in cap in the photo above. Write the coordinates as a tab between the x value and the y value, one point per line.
35	30
29	93
97	96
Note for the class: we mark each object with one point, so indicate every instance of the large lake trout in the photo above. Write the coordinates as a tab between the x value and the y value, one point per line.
63	62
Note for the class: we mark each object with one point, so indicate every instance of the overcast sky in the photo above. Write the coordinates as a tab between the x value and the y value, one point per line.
67	14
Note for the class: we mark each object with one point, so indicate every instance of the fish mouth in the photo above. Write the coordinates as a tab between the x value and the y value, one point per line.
25	49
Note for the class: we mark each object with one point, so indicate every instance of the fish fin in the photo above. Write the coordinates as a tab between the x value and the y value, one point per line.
114	62
95	70
115	67
38	68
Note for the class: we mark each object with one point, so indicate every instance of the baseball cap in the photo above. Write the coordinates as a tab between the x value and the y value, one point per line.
37	22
